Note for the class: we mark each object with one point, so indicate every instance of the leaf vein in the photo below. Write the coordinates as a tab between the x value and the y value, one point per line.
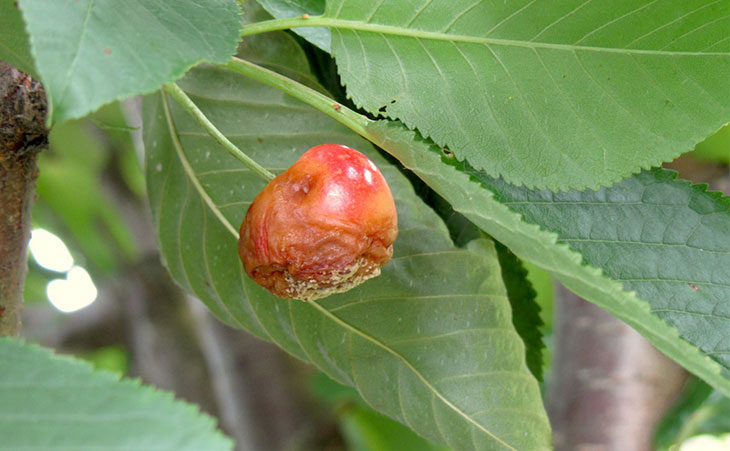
646	243
560	19
646	35
461	14
617	19
509	17
614	99
409	365
451	334
417	13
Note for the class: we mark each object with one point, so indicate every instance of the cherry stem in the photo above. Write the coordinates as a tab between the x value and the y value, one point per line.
185	101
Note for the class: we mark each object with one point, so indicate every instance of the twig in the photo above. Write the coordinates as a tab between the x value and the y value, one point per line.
23	135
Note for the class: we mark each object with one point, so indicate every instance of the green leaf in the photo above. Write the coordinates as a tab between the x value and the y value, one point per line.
522	296
662	238
525	311
295	8
429	342
89	52
553	93
14	45
55	402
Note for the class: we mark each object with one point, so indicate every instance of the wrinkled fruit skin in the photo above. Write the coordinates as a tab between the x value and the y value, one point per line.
325	225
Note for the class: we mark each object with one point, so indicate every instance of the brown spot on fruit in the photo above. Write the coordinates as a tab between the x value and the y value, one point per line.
323	226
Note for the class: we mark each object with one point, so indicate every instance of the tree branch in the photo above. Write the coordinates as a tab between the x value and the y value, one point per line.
610	386
22	136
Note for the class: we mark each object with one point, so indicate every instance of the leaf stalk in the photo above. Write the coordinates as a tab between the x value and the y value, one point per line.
285	24
190	106
351	119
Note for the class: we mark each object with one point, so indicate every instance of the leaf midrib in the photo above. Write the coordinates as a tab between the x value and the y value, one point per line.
322	21
410	366
190	172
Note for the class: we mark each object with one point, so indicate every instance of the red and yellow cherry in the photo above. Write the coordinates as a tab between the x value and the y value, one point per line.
323	226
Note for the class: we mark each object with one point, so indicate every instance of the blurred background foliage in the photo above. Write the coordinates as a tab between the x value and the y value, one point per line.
716	148
72	193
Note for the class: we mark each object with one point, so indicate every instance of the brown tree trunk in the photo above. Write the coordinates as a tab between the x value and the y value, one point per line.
22	136
610	386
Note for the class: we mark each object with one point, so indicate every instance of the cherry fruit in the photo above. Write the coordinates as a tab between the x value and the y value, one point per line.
323	226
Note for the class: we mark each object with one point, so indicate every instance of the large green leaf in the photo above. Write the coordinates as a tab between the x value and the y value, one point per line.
90	52
430	342
52	402
389	338
656	249
664	239
522	296
546	93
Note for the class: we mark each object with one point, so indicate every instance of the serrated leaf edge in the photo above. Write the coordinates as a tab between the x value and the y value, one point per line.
50	117
712	371
411	124
112	377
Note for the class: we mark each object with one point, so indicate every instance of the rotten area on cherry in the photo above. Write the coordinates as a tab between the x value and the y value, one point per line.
323	226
